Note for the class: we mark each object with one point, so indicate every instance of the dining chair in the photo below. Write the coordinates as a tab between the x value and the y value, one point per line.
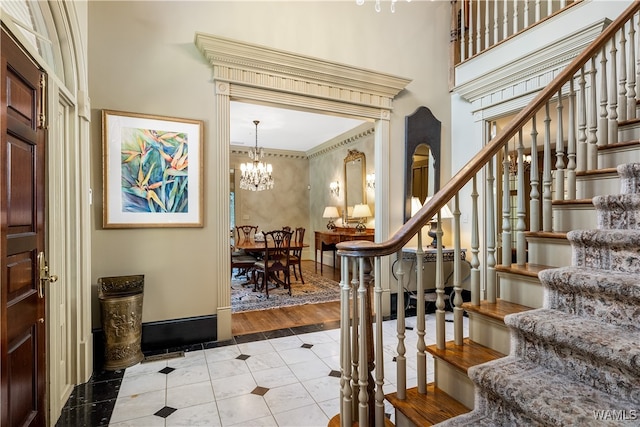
244	262
241	259
275	262
295	259
286	228
246	233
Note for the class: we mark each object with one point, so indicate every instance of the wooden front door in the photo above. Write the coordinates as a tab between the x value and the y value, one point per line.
22	183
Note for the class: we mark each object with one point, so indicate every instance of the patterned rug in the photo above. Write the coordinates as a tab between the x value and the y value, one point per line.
316	289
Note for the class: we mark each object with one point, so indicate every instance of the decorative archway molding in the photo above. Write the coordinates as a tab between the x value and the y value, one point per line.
259	74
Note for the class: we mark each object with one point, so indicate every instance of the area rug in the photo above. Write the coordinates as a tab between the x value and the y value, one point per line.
316	289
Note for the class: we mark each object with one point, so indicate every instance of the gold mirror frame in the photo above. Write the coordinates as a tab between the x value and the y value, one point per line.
354	156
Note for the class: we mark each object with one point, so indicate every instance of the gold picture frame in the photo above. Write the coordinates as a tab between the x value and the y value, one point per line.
152	171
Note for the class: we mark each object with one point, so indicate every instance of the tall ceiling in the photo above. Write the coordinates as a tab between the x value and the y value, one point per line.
284	129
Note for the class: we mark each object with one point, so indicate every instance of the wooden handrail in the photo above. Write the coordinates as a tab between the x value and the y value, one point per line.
464	175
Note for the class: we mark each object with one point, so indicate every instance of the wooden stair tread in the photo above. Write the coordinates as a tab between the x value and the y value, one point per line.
335	422
530	270
464	356
629	121
573	202
603	171
546	234
622	144
427	409
495	310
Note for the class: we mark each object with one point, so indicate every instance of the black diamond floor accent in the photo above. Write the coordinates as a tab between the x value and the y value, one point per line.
260	391
165	412
243	357
334	373
306	345
167	370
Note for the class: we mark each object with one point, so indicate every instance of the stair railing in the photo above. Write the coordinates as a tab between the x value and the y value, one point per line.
479	25
596	91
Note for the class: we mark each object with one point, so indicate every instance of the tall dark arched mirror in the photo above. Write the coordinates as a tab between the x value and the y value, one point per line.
422	157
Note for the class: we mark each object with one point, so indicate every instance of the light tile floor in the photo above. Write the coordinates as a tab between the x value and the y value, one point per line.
285	381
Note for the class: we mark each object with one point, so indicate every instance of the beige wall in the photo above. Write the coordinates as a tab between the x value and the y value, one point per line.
286	204
142	59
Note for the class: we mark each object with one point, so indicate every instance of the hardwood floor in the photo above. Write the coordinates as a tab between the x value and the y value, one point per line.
250	322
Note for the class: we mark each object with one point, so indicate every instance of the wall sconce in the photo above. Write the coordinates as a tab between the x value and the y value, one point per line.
371	181
334	188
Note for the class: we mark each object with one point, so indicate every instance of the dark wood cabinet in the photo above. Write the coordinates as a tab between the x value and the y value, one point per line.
327	241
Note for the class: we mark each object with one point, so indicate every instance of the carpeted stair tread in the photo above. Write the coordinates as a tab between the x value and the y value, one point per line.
620	211
545	395
598	340
611	250
583	279
610	297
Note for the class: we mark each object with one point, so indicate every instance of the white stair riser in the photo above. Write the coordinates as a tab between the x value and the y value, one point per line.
597	185
453	382
551	252
521	290
489	332
574	217
628	133
614	157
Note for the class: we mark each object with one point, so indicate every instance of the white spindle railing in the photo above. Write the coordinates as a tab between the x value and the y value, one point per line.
485	23
594	90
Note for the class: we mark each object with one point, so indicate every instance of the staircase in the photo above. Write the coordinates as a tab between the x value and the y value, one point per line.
577	360
553	332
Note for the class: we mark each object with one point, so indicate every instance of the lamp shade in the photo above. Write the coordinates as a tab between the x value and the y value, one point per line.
330	212
445	212
361	211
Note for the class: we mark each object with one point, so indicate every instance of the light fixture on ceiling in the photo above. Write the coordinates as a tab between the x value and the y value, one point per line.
256	175
378	7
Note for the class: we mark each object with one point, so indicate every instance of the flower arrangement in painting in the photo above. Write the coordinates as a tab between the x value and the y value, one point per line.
154	171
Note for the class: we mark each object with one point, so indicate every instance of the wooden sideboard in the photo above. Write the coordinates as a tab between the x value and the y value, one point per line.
327	240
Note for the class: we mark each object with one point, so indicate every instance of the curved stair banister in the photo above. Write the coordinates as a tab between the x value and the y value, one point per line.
359	396
464	175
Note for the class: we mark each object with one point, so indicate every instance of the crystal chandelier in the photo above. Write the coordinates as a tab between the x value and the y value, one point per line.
378	7
256	176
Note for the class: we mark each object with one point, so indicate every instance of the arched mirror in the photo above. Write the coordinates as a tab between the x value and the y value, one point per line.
422	157
355	166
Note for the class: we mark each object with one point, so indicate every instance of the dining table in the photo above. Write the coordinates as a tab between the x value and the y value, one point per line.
255	247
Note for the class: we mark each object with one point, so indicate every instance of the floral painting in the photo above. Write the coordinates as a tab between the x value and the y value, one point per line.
152	171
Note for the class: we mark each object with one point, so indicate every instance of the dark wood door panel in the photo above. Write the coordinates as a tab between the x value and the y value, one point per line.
22	207
23	400
21	196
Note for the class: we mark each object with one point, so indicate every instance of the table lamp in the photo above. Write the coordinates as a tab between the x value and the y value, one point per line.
361	212
331	212
445	213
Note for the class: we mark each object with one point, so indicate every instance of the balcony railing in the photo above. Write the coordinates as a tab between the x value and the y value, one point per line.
594	93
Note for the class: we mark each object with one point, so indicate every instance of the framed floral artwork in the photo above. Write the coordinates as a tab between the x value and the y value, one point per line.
152	171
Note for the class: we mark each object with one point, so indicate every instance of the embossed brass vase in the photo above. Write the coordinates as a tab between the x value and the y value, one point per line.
121	308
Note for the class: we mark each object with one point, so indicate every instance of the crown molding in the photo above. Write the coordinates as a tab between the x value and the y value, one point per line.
269	152
348	138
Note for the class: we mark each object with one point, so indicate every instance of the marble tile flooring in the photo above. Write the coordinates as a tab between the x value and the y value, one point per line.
281	378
